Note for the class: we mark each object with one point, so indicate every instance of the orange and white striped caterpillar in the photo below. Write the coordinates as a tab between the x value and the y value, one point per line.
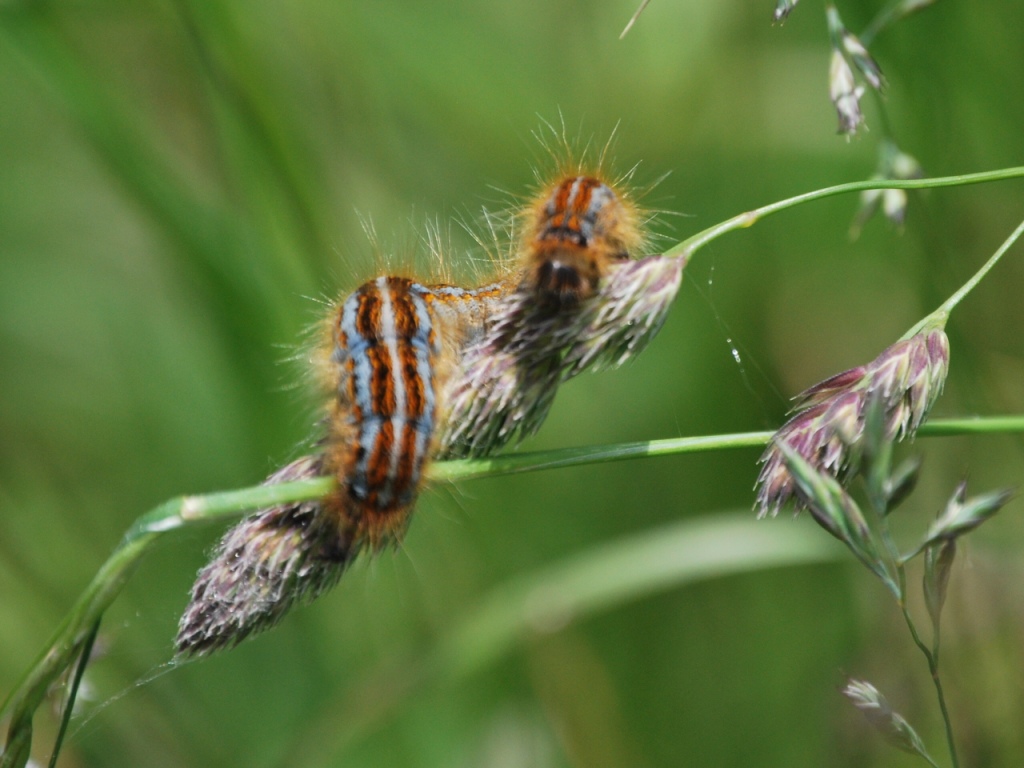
415	372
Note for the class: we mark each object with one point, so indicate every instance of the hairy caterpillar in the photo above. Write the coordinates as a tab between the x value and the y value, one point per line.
415	371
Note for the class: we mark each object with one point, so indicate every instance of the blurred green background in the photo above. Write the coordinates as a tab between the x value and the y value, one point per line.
182	183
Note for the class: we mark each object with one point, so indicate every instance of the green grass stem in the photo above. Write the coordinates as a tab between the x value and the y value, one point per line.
692	244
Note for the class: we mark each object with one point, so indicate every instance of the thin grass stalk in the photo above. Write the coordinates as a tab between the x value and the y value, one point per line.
966	288
692	244
468	469
69	703
933	665
931	654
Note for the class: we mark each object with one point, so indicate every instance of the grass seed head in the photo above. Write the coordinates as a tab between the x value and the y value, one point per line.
828	425
270	561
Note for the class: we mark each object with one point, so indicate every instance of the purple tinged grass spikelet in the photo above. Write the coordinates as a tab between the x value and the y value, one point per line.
274	559
386	352
829	423
634	303
508	380
578	301
581	303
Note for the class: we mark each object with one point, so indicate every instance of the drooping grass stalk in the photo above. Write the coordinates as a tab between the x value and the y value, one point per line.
70	637
691	245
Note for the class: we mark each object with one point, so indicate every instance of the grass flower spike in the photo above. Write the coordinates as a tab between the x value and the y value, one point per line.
891	725
827	429
582	302
962	515
845	94
893	164
508	381
849	53
269	562
862	60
